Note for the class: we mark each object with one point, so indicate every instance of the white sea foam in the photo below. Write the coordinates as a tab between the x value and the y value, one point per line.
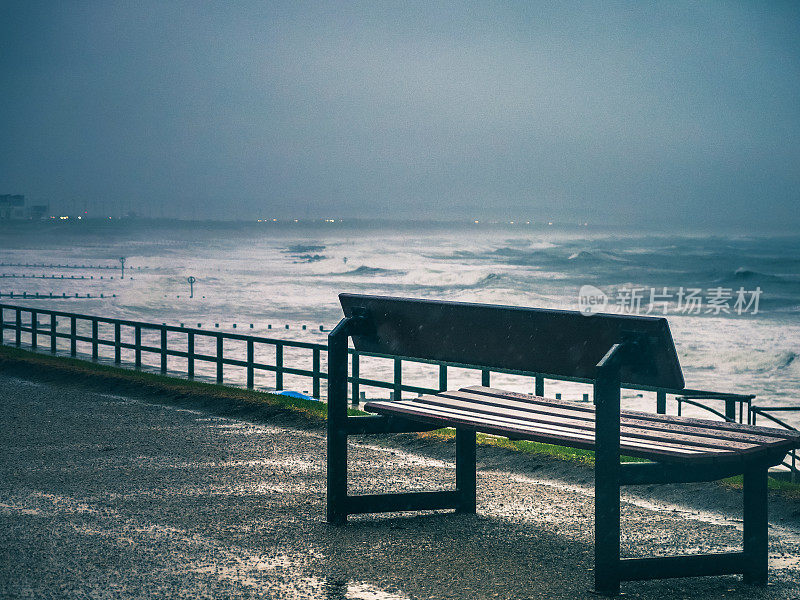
281	274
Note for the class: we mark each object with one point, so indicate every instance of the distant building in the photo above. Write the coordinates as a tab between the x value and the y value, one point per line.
38	211
12	208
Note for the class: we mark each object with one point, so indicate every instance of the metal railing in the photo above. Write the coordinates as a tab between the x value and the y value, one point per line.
792	463
87	329
28	321
731	402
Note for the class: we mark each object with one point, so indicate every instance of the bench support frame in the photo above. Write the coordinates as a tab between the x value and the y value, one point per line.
340	426
610	475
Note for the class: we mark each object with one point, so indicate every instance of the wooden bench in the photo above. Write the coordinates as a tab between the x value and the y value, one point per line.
611	350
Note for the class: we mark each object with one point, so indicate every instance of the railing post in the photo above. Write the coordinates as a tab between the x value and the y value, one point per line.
442	378
137	346
163	350
73	336
730	410
316	366
356	374
190	355
34	329
53	335
486	377
278	366
538	386
661	402
19	327
219	358
2	327
94	339
250	353
398	379
117	343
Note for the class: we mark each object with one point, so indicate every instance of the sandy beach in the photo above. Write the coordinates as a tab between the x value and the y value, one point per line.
107	496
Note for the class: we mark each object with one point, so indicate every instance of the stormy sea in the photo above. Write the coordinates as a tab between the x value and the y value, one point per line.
732	300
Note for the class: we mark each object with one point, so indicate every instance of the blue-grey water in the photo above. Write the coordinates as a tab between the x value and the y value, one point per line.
741	334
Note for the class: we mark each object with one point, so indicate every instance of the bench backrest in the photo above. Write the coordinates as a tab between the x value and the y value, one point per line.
553	342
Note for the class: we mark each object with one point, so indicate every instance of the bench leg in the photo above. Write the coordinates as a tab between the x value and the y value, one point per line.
606	537
465	471
607	483
337	476
755	525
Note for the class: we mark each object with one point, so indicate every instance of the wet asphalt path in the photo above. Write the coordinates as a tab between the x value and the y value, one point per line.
110	497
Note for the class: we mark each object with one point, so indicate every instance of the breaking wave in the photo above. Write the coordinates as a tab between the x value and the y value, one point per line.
747	274
597	256
785	359
743	275
303	248
488	280
309	258
767	363
364	270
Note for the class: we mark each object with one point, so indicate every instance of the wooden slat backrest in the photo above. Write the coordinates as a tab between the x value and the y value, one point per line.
554	342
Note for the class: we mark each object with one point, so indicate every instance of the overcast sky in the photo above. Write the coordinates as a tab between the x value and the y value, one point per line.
632	112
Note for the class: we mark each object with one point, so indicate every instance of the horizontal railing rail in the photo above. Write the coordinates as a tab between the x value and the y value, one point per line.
36	323
792	463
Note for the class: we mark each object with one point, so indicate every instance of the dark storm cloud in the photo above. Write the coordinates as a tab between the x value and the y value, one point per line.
630	111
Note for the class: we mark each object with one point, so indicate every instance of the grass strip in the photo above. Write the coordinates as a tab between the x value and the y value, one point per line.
220	399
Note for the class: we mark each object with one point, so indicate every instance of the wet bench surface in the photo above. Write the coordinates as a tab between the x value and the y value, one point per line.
656	437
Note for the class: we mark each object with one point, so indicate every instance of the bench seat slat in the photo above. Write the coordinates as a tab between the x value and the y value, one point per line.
583	419
508	427
546	428
522	416
627	429
682	425
689	421
543	433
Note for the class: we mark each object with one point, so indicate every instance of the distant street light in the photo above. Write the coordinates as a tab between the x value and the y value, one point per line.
122	266
191	281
